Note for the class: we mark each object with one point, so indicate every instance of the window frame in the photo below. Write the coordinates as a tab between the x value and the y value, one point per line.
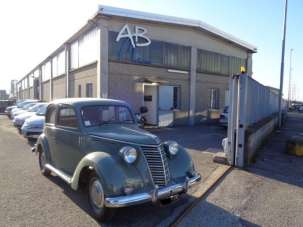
65	106
115	105
47	115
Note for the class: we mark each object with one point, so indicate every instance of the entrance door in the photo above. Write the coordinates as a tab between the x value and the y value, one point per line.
167	102
151	102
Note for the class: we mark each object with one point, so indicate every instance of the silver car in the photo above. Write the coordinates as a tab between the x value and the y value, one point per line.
33	126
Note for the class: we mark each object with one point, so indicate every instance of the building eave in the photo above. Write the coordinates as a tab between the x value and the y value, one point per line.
127	13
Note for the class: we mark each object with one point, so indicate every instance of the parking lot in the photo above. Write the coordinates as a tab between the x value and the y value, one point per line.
29	199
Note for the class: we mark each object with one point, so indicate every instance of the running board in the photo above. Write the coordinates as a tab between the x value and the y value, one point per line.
59	173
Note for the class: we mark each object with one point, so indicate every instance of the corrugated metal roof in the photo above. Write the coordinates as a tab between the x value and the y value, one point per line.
114	11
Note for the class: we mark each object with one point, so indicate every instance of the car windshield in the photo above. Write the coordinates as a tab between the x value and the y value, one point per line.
35	108
42	110
27	106
106	114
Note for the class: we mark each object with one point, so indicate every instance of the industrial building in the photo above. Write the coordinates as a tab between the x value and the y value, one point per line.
178	68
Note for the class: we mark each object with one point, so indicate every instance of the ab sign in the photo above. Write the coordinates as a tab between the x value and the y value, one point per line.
139	32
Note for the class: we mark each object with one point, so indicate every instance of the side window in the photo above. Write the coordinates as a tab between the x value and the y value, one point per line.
51	115
67	117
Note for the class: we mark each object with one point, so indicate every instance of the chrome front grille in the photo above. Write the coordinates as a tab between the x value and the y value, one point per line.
157	163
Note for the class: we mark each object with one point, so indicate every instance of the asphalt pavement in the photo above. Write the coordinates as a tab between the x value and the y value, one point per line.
268	193
29	199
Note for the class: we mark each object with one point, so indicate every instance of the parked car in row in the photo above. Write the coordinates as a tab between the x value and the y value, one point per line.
19	119
5	104
11	107
97	143
21	107
33	126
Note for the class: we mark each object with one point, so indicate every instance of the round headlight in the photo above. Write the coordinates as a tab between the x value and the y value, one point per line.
129	154
173	148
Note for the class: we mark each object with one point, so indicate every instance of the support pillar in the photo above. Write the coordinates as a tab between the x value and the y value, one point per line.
51	86
193	85
102	62
40	84
67	69
28	87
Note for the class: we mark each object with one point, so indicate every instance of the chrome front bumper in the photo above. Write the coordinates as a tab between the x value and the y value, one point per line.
153	196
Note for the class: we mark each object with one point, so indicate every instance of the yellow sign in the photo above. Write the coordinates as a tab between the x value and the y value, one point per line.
242	69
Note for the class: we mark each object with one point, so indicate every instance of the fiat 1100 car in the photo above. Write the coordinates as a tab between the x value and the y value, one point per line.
96	143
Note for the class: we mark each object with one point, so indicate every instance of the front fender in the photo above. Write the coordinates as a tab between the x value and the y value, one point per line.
113	175
181	165
42	141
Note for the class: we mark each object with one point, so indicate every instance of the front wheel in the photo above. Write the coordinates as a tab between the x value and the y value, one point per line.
42	162
96	199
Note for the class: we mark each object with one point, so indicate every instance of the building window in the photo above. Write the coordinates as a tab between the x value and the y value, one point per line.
31	80
79	91
61	63
89	90
84	50
158	53
214	98
46	71
236	63
211	62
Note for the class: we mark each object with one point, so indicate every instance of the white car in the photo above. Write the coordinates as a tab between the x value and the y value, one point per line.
19	119
20	106
33	126
24	109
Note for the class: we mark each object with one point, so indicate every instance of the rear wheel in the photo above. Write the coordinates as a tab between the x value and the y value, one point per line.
42	162
96	199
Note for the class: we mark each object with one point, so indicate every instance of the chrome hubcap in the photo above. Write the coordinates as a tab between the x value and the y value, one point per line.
96	194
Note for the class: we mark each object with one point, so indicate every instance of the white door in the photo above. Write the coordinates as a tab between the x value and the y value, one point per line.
151	102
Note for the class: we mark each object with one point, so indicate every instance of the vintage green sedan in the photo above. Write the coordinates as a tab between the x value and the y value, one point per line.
97	143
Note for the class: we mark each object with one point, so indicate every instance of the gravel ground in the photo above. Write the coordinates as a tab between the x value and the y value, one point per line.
269	193
29	199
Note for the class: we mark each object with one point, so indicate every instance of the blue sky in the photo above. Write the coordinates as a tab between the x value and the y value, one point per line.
32	29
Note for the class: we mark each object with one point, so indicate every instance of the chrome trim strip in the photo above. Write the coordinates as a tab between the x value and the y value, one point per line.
156	194
126	142
59	173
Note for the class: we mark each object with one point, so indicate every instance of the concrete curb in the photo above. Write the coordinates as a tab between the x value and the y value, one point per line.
211	181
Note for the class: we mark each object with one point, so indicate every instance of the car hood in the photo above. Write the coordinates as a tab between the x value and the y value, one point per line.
36	120
25	115
125	133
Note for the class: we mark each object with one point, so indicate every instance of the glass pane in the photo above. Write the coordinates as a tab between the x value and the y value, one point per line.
67	117
105	114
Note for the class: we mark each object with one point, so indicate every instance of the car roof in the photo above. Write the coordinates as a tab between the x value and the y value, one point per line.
79	102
